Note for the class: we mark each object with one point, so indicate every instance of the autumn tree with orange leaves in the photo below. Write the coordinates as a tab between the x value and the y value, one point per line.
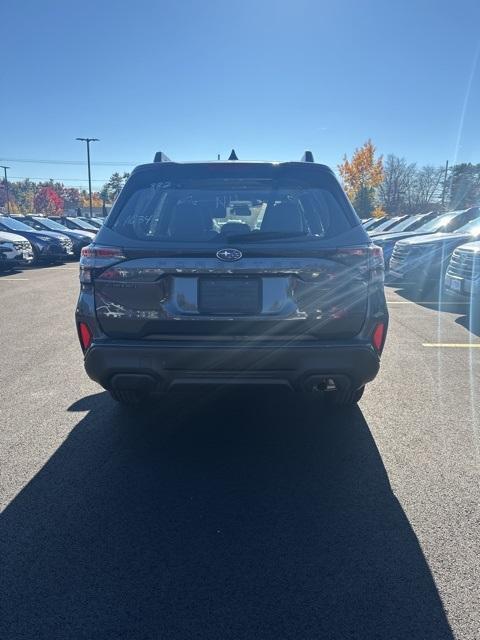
361	176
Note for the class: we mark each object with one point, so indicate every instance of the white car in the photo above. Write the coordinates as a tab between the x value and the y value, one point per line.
463	273
463	280
15	251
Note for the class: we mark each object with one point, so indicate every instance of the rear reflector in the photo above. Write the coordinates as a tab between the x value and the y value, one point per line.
85	335
378	336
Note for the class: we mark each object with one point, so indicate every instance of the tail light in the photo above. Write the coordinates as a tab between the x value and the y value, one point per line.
368	261
97	257
98	251
85	335
376	258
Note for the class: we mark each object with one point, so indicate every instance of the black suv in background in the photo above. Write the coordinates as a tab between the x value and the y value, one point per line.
77	224
79	239
232	273
47	246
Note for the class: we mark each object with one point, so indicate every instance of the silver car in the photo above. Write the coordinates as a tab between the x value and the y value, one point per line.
463	273
15	251
463	279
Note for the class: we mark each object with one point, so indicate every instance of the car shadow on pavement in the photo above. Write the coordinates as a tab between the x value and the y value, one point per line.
9	272
224	516
471	323
438	301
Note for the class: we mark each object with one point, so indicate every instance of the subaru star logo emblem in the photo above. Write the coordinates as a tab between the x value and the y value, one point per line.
229	255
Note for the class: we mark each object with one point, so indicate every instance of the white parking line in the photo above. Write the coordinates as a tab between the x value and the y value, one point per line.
441	303
453	345
13	279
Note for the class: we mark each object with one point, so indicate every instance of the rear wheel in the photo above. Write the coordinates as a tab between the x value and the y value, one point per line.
345	398
128	397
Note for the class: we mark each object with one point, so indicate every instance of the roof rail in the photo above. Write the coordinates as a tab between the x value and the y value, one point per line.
233	155
161	157
307	157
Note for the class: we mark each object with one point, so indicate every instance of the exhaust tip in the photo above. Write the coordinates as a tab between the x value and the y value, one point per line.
320	384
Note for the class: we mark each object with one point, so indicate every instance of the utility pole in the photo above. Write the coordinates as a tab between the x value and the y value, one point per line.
444	184
88	140
6	187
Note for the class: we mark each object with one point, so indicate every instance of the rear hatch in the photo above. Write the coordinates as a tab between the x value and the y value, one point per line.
231	251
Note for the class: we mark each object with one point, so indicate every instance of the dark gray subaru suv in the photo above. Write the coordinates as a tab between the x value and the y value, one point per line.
231	273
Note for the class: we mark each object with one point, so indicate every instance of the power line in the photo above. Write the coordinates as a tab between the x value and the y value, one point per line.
59	179
70	162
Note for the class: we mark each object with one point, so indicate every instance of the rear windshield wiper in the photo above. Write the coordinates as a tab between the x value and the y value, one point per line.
253	236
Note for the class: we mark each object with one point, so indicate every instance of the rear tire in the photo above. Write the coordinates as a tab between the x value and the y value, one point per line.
345	398
129	398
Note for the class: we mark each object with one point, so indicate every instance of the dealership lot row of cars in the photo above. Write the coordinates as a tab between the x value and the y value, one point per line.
33	239
427	251
432	251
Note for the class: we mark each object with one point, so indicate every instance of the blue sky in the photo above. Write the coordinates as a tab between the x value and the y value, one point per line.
270	78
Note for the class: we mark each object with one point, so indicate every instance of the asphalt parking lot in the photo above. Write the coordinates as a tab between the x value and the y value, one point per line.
237	516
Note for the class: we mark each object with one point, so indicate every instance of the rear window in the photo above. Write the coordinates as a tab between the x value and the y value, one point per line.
472	227
440	223
405	225
82	224
388	224
14	225
45	223
240	209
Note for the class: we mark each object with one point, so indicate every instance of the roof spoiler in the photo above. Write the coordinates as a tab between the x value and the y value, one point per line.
307	157
161	157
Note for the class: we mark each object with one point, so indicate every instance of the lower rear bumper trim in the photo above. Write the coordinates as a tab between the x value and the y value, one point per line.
181	365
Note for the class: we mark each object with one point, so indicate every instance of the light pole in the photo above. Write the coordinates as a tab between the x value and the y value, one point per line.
6	187
444	184
88	140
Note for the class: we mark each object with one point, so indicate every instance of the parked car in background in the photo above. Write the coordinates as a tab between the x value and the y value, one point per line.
79	239
387	224
95	222
423	260
15	251
463	272
445	222
76	224
47	246
409	223
175	291
372	223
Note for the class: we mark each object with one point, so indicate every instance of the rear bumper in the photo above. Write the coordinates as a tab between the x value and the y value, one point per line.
416	274
463	288
158	367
